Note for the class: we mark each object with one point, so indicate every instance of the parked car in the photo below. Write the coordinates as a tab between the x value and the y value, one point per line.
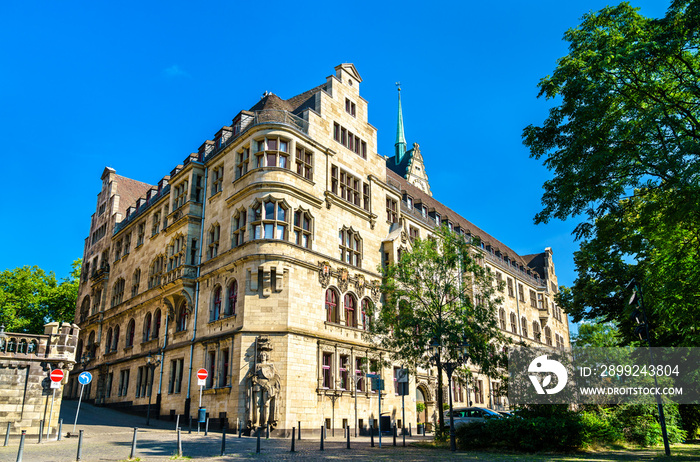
465	415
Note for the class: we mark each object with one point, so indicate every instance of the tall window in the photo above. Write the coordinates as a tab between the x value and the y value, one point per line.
223	368
141	231
548	335
211	366
331	305
523	326
130	328
181	322
536	333
242	158
350	107
197	188
238	228
349	188
213	241
344	366
127	243
176	368
118	292
366	306
270	220
217	179
115	338
155	226
108	343
511	292
156	271
272	152
350	310
176	252
156	324
180	195
215	304
302	228
513	323
533	299
350	247
502	318
359	373
326	367
232	300
123	382
147	327
521	293
392	210
303	161
118	250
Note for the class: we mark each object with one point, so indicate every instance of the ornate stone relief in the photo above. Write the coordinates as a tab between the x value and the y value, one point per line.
324	273
263	389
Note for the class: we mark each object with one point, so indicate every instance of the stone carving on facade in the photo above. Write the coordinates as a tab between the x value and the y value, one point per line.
404	237
360	284
324	273
376	291
263	389
343	280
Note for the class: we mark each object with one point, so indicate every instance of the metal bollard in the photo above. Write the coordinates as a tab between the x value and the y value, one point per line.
299	436
394	434
190	424
60	429
257	448
41	431
267	431
347	429
404	436
206	427
409	429
20	453
7	434
177	422
223	440
133	444
371	434
293	436
240	431
323	428
79	457
179	443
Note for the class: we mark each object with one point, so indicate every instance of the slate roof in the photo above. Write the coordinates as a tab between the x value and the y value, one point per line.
272	101
445	212
400	168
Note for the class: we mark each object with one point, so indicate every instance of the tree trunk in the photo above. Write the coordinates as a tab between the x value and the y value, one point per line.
440	399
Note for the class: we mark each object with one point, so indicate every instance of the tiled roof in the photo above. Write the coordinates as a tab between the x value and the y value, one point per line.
445	212
129	191
272	101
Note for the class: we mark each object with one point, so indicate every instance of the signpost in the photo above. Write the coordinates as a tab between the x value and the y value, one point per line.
56	376
84	378
402	380
202	375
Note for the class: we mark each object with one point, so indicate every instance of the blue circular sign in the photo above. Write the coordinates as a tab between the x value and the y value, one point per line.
84	378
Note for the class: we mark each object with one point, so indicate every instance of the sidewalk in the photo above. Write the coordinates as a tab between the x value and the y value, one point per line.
107	436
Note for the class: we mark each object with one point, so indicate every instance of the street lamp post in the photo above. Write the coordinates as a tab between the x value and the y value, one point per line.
151	363
450	367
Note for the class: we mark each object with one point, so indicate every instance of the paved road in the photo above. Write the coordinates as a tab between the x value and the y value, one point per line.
107	436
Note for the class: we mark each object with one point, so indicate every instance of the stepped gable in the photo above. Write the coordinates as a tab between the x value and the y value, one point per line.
129	192
444	211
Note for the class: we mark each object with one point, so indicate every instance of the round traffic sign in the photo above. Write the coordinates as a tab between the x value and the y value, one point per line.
56	375
202	374
84	378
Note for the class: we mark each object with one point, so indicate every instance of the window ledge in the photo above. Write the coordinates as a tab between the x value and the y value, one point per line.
216	194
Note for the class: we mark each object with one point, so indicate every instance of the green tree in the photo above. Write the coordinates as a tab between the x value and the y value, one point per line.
440	292
30	297
623	144
596	334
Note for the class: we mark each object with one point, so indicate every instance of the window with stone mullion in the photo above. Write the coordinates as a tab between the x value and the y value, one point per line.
302	229
270	221
239	222
349	243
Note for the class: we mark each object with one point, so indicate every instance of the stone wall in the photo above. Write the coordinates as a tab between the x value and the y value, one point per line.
25	388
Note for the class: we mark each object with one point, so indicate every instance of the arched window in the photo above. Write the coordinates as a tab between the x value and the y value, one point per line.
513	323
91	343
269	220
156	324
176	252
118	292
108	342
536	334
32	347
366	306
232	298
523	324
130	328
12	345
85	308
22	348
181	324
331	306
115	341
350	310
156	271
502	318
302	228
350	247
548	335
215	310
147	327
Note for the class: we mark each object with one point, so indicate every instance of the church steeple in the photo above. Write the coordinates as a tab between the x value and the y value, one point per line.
400	145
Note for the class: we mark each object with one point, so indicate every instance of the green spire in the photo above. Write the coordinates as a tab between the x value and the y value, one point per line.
400	145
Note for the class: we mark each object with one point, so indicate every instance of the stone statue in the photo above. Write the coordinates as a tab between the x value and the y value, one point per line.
263	389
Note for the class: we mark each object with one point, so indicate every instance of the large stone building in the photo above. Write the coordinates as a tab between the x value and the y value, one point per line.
257	259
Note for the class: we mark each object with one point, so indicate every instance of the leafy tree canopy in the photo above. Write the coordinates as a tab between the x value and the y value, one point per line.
440	290
624	146
30	298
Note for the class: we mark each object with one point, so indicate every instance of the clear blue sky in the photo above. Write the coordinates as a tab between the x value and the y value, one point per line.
137	86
